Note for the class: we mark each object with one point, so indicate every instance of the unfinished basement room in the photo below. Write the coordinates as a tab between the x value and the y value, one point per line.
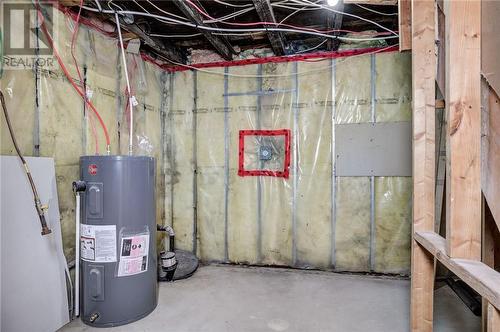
250	165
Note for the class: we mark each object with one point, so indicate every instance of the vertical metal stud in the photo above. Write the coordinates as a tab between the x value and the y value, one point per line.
295	109
195	161
36	72
171	150
163	123
333	211
372	178
259	179
226	164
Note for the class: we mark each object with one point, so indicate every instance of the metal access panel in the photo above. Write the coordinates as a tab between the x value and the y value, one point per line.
373	149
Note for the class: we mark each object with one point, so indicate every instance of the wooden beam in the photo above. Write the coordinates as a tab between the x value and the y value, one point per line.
404	20
334	22
424	167
491	151
221	44
463	110
266	14
479	276
162	48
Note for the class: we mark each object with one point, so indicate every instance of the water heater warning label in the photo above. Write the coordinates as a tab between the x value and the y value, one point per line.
98	243
133	255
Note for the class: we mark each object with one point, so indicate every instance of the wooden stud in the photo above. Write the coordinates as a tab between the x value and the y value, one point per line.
463	110
488	253
424	167
493	319
404	17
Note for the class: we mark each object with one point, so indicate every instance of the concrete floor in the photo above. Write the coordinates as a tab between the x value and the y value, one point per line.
230	298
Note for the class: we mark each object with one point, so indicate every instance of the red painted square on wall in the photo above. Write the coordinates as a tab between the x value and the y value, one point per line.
264	153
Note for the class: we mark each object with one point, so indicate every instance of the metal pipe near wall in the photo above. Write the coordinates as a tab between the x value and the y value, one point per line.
77	256
78	187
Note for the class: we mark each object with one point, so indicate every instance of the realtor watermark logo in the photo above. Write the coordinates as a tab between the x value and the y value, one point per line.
25	45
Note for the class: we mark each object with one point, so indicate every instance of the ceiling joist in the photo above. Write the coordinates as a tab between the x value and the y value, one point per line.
162	48
266	14
334	22
219	43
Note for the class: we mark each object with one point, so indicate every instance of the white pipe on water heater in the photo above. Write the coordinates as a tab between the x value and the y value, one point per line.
77	256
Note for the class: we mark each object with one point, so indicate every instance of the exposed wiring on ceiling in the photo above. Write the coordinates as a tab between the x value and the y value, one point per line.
175	36
164	11
343	13
233	5
208	28
229	16
304	8
326	68
375	11
147	11
312	48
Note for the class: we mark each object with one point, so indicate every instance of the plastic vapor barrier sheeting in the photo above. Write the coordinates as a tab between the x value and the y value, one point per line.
310	218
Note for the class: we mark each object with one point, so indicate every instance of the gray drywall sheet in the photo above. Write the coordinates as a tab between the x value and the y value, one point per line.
33	282
373	149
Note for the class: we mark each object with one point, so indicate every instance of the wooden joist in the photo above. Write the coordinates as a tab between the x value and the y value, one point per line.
220	44
162	48
463	110
404	20
482	278
424	167
334	22
266	14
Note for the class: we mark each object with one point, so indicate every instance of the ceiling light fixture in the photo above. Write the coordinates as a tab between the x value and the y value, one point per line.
332	3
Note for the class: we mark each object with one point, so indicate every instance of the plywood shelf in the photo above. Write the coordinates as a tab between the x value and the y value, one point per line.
482	278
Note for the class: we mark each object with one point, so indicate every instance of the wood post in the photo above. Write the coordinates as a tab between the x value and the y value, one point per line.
424	167
463	110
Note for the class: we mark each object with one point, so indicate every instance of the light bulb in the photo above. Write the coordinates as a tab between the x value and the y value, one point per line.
332	3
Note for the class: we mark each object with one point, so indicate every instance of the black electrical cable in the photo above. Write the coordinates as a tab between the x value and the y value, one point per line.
38	205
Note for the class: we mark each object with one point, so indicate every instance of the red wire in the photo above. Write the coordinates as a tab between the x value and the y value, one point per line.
68	76
201	11
75	33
